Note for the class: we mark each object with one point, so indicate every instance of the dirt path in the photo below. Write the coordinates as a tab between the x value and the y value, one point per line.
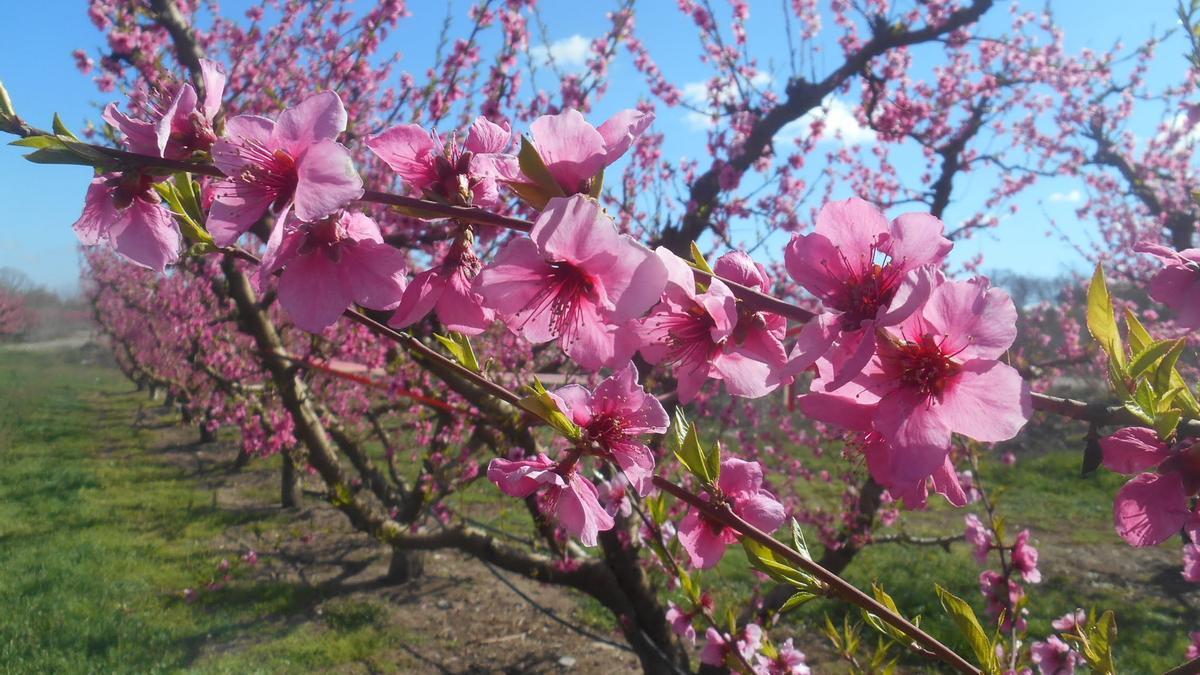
459	617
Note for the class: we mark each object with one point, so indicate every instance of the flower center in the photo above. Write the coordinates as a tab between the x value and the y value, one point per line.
454	182
194	134
869	285
604	430
271	170
687	336
563	294
127	187
921	365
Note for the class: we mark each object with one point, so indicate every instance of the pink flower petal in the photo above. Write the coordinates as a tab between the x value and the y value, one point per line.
410	151
988	401
571	148
1150	509
1133	450
312	293
326	181
320	117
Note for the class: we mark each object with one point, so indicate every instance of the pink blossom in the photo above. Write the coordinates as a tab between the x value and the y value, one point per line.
613	417
698	333
1025	558
718	646
331	263
1191	563
790	661
1177	285
740	487
1054	657
273	166
572	498
250	558
180	127
867	273
1151	507
758	333
444	171
936	373
575	152
446	288
1067	623
1193	650
681	622
1001	597
978	536
574	279
880	455
125	211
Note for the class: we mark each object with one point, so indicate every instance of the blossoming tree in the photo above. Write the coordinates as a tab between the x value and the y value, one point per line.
322	263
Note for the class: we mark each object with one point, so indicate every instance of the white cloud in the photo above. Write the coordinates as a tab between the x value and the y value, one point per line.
1072	197
568	53
840	125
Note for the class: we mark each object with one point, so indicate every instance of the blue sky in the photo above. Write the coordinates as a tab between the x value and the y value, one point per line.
38	203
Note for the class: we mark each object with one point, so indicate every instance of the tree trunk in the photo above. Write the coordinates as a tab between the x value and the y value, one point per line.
405	566
289	492
645	627
207	435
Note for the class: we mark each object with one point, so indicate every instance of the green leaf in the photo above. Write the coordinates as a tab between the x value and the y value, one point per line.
1165	422
677	431
879	624
1138	336
698	259
798	541
968	624
1142	403
832	633
596	185
6	104
528	192
764	560
657	506
61	129
541	404
1165	376
535	170
694	458
1098	647
688	586
62	150
45	141
189	195
1150	356
797	599
1100	319
57	156
189	227
460	348
201	249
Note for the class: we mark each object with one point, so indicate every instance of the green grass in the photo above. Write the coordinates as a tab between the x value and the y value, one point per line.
98	538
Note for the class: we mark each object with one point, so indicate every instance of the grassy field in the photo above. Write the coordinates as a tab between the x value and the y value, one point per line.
99	536
98	539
